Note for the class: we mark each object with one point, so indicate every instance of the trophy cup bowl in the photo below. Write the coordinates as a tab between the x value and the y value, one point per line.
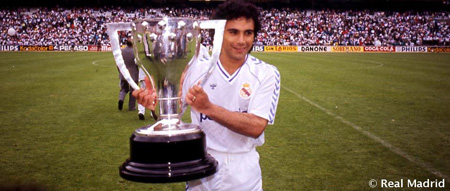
169	150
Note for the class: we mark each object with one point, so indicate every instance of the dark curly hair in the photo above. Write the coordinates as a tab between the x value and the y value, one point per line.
234	9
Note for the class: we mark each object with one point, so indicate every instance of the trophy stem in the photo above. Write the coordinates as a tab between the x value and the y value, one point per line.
169	108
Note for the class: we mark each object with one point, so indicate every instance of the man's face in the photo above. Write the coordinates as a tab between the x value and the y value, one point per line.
237	40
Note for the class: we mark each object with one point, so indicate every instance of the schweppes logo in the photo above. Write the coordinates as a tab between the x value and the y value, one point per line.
245	91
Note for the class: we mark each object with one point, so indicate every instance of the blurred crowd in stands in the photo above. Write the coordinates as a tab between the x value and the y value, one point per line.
286	26
330	27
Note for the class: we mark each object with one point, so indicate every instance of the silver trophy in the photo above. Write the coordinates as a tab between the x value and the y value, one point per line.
169	150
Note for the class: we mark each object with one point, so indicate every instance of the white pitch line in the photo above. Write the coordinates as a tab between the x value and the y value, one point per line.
377	66
96	64
386	144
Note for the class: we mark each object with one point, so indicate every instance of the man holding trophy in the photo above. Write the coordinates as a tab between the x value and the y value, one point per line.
233	104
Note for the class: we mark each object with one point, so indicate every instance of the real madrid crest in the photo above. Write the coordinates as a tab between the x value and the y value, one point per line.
246	91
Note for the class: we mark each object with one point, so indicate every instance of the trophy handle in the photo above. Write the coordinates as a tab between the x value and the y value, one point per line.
113	28
219	29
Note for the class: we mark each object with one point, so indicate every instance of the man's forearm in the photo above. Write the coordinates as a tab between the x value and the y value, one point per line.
242	123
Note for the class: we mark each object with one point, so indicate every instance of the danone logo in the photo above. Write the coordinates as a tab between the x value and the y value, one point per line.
245	91
313	48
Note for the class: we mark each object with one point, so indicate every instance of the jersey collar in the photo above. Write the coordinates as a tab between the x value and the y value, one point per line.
225	75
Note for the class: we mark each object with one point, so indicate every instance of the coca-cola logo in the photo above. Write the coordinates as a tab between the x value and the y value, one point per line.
379	49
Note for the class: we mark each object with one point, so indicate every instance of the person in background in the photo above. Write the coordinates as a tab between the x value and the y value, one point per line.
128	57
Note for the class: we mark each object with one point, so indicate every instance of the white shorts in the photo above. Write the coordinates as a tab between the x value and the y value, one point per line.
236	171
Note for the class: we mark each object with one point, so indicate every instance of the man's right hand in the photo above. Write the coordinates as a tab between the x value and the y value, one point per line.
146	97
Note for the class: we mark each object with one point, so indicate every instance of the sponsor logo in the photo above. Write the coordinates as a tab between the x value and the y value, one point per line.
204	117
258	48
347	49
269	48
379	49
9	48
313	49
411	49
280	49
35	48
438	49
213	86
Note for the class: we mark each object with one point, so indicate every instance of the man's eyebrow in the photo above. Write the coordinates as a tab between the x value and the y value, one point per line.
234	29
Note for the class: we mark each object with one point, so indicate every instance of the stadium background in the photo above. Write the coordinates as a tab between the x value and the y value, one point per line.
295	25
314	4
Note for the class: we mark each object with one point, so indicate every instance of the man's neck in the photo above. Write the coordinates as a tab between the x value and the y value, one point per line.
231	65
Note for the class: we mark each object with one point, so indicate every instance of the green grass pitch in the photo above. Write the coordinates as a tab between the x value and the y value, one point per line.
343	119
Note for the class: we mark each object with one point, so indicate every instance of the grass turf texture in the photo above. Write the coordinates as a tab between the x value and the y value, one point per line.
61	128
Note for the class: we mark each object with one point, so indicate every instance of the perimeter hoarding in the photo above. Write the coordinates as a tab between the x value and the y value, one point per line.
438	49
92	48
36	48
347	49
379	49
256	48
410	49
280	48
314	48
9	48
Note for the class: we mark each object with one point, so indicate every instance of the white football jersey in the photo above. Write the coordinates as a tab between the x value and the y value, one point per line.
253	88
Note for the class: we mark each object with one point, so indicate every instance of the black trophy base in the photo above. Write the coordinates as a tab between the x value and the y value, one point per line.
165	159
166	173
